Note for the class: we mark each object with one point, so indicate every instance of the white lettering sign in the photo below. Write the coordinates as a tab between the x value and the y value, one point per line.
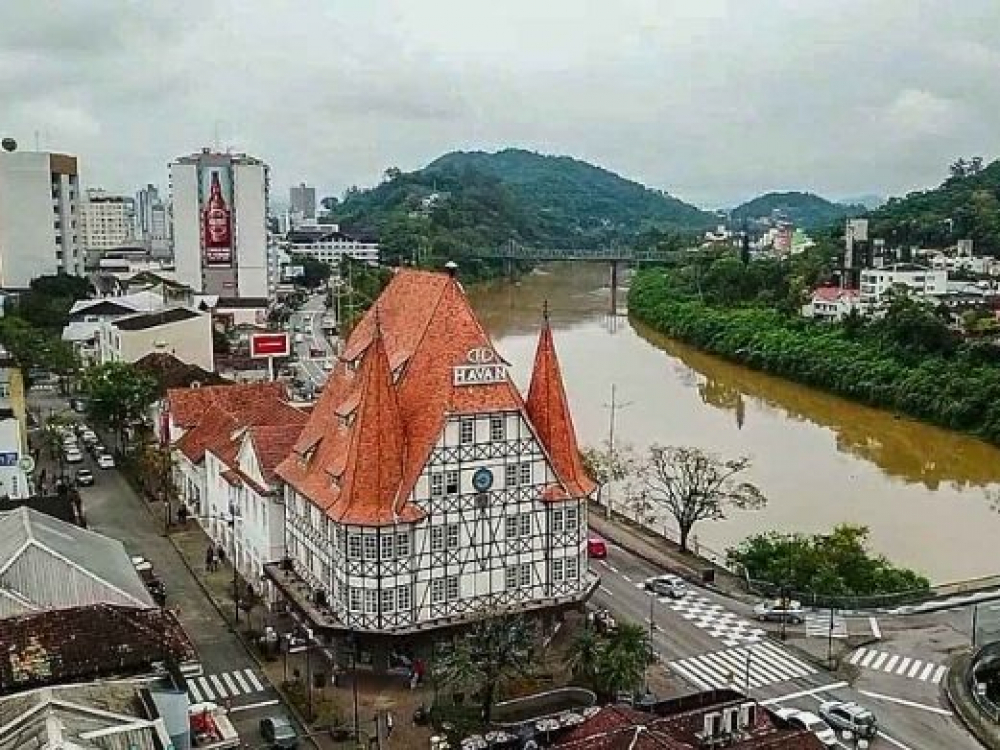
479	374
481	356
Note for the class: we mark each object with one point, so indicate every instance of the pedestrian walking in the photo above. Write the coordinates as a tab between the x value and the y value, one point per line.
210	559
388	724
220	554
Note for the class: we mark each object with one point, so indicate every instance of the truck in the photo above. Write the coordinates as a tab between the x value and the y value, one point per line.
211	728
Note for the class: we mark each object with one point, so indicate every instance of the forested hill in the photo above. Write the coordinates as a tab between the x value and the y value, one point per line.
806	210
466	200
965	205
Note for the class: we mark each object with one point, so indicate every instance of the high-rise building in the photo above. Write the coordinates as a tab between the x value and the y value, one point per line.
219	206
39	215
152	220
302	200
107	221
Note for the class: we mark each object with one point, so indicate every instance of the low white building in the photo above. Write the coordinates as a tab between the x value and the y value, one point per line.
831	303
917	281
326	243
181	331
227	442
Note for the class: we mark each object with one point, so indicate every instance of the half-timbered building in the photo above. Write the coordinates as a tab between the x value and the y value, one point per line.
425	489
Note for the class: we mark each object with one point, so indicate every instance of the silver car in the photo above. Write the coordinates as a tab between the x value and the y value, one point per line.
777	610
667	585
850	716
810	722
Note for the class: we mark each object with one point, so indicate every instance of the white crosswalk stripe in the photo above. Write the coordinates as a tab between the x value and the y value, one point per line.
217	687
714	619
901	666
765	663
818	625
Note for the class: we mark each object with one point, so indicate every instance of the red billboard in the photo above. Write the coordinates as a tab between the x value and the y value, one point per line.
217	216
269	345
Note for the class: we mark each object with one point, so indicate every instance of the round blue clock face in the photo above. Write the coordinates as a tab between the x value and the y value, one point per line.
482	480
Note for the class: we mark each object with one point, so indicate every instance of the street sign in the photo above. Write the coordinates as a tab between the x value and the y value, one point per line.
269	345
26	464
9	458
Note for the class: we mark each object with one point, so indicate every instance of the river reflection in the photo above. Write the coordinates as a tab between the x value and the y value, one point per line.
820	459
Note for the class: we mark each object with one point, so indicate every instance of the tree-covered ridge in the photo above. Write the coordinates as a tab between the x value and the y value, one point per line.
966	205
806	210
463	201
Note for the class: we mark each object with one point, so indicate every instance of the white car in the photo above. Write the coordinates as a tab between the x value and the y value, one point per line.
327	365
73	456
667	585
106	461
810	722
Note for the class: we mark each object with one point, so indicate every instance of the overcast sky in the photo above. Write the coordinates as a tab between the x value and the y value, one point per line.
712	100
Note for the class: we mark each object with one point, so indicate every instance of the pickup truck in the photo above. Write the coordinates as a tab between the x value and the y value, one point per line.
211	728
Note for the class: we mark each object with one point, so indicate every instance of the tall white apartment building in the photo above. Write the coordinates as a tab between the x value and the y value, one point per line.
107	220
219	206
302	201
39	216
918	281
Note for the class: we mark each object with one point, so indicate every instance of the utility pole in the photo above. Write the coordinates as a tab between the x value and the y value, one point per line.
614	406
652	627
829	641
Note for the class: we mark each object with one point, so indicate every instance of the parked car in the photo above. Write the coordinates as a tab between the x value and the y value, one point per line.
667	585
73	456
777	610
279	732
84	478
105	461
78	405
597	548
851	717
89	437
810	722
602	621
97	449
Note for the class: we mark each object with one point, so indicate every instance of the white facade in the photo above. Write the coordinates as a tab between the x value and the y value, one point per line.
333	248
182	332
246	274
39	216
107	221
831	304
14	482
917	281
475	549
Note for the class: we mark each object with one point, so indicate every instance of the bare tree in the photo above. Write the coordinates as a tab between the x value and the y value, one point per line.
618	465
692	485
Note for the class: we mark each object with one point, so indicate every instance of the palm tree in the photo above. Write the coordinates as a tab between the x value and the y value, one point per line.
622	661
584	655
497	649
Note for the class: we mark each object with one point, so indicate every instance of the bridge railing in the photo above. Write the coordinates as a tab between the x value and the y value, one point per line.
618	254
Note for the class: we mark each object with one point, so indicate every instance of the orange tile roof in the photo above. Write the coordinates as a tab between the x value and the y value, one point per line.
187	405
548	410
392	392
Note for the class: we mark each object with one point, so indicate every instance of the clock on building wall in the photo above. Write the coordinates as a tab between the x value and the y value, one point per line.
482	480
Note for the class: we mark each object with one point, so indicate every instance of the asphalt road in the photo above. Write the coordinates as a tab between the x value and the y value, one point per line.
709	640
114	509
309	317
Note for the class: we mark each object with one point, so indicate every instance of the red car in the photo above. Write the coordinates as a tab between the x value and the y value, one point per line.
596	548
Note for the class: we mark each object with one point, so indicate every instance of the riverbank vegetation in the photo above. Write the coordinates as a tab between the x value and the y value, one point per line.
835	564
908	361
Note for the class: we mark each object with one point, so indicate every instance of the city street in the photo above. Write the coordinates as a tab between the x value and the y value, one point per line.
711	641
309	318
230	676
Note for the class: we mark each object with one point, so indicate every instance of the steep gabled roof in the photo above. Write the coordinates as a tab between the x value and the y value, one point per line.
188	405
426	326
548	409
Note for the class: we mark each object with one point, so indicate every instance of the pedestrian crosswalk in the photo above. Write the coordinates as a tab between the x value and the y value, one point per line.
715	619
218	687
756	665
901	666
818	624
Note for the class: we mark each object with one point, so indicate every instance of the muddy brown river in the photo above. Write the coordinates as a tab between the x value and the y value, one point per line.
923	491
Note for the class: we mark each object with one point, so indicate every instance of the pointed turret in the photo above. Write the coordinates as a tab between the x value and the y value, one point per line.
548	409
374	468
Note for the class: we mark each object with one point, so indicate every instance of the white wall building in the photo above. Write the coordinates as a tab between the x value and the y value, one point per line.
832	303
107	221
39	217
14	481
180	331
326	243
917	281
220	239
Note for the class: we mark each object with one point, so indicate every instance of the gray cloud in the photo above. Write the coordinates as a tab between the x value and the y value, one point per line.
714	100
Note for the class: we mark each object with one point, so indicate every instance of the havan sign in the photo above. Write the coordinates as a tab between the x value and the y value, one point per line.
483	368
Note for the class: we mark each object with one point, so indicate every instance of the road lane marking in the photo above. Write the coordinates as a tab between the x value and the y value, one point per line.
903	665
876	630
233	690
891	663
195	695
252	706
239	678
606	590
625	576
253	679
904	702
217	684
879	660
939	674
612	568
206	689
804	693
926	673
869	657
604	563
915	668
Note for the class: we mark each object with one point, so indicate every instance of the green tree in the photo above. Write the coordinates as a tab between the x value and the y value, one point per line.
497	649
118	395
613	662
33	348
48	300
315	272
692	486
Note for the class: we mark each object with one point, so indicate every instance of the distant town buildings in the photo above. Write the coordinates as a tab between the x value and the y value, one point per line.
107	220
220	205
831	303
915	280
39	216
153	225
326	243
302	201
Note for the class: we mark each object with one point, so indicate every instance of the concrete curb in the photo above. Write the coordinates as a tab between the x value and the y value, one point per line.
956	690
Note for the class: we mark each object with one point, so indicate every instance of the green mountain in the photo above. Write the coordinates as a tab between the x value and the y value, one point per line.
806	210
467	200
966	205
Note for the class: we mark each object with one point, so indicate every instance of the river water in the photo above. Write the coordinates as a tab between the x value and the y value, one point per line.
821	460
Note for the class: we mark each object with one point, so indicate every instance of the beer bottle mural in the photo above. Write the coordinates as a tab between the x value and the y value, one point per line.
216	222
